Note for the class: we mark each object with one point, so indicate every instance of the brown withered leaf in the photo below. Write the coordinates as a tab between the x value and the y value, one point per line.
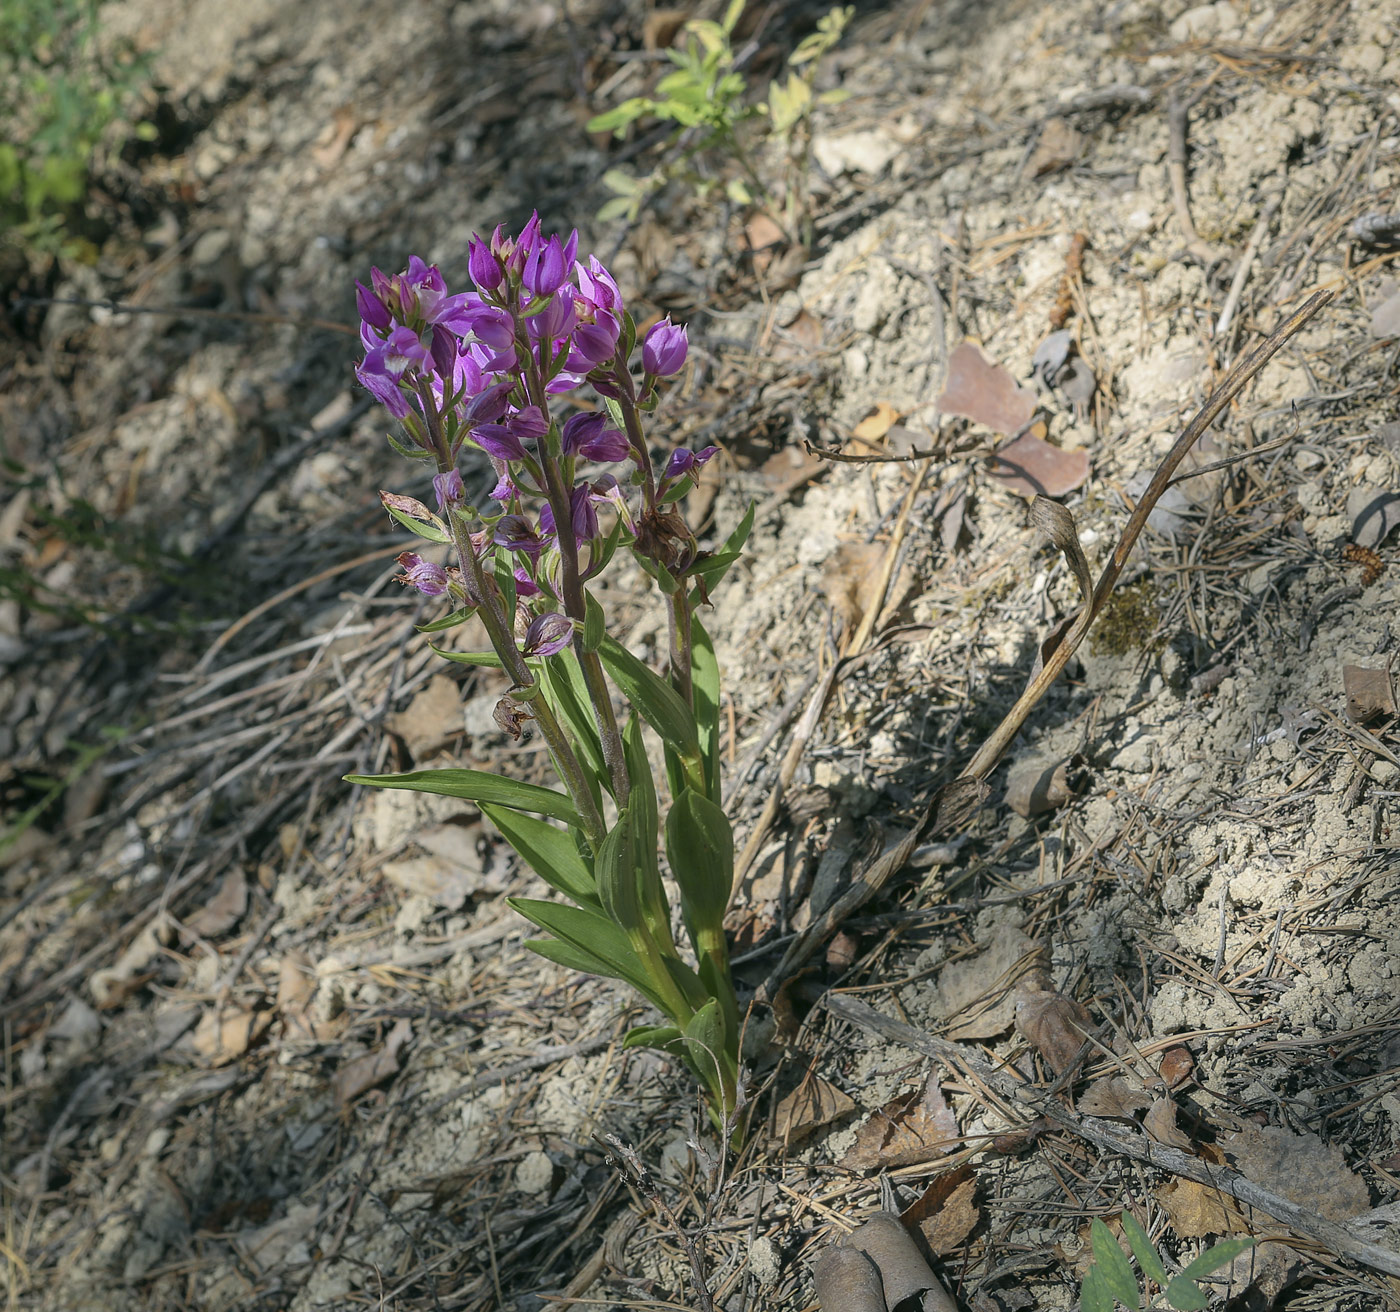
905	1131
361	1073
1176	1066
228	1032
946	1212
1369	695
878	421
431	718
1059	146
1114	1096
1033	788
1031	467
976	993
1197	1211
846	577
224	910
981	390
813	1104
296	986
1160	1123
1301	1168
1053	1024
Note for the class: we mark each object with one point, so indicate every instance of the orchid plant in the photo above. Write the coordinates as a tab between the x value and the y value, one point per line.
534	372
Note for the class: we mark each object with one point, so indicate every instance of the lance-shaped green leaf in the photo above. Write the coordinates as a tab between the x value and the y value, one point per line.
563	686
700	848
646	826
429	531
592	622
713	568
551	853
1094	1296
658	703
704	680
478	786
652	1036
448	621
1221	1254
585	940
1185	1295
486	658
1117	1271
1143	1250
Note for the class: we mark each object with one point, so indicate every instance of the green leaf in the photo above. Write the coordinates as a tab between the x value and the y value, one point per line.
562	682
1142	1248
551	853
411	452
615	871
704	682
478	786
658	703
614	209
449	621
616	120
1094	1296
486	658
642	804
704	1039
731	15
1183	1295
652	1036
738	192
592	622
429	531
1117	1272
585	940
1222	1254
700	848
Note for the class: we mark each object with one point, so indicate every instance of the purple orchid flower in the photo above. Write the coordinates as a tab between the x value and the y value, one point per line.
684	461
429	579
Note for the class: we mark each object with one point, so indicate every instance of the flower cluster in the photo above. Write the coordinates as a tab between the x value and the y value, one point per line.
488	368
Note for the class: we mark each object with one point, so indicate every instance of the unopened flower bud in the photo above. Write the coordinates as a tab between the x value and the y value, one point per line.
449	489
484	267
547	634
665	348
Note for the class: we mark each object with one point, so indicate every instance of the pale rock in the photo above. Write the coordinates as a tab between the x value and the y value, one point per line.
534	1173
866	152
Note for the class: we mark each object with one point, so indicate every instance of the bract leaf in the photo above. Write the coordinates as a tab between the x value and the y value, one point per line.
429	531
478	786
486	658
448	621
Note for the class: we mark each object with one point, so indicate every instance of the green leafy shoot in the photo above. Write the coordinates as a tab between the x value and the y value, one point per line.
1109	1281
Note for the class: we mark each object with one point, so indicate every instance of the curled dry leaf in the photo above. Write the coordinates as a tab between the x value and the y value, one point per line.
362	1073
813	1104
1160	1123
1374	515
946	1212
1054	1025
1114	1096
845	1280
1031	467
906	1131
984	392
1176	1066
223	911
1369	694
908	1280
1034	788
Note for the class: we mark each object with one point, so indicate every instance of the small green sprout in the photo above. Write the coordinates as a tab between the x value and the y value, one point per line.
1110	1280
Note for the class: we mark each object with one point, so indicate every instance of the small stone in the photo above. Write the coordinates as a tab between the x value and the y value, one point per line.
534	1173
1306	460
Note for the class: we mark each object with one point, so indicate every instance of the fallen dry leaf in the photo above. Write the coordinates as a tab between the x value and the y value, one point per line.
1053	1024
1302	1168
1059	146
431	718
1176	1067
905	1131
223	911
946	1212
1031	467
878	421
813	1104
1374	515
1160	1123
984	392
1369	694
980	986
1032	788
224	1033
296	986
1197	1211
1114	1096
362	1073
847	575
